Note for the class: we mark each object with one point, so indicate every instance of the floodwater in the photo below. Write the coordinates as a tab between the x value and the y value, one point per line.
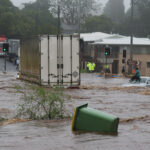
131	105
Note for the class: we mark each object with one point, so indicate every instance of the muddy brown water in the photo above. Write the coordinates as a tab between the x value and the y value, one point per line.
130	104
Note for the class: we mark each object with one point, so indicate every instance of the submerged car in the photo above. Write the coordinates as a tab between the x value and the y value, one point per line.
144	82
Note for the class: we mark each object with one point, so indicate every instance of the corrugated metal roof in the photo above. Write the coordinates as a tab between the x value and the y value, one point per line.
91	37
100	38
123	41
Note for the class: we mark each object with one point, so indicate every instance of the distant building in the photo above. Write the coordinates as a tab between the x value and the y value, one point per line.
94	46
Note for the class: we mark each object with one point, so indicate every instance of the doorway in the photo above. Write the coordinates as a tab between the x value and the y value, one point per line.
115	67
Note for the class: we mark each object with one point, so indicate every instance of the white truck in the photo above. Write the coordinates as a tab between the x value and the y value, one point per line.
51	60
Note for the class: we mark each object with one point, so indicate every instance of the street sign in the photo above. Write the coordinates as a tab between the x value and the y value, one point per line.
129	62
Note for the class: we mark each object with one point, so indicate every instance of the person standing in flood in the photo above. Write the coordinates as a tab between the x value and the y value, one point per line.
17	64
88	67
93	67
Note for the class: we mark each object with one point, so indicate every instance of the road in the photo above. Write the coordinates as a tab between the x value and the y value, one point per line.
9	66
131	105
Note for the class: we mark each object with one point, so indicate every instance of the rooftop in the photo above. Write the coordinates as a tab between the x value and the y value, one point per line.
100	38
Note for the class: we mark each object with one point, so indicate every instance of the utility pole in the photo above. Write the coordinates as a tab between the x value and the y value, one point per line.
5	50
5	62
79	18
131	39
58	26
37	18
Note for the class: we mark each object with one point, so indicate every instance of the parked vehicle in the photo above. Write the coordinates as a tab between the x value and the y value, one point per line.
1	50
144	82
51	60
14	50
2	40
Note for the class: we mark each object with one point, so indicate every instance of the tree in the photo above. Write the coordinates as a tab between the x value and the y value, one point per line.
38	16
8	18
74	10
114	9
141	20
97	24
35	18
143	8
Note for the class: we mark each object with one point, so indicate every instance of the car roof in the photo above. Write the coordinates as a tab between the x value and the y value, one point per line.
144	77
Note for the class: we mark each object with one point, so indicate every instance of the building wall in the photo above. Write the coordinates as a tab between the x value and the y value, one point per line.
141	55
144	59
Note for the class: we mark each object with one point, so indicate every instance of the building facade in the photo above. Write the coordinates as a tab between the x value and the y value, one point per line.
120	56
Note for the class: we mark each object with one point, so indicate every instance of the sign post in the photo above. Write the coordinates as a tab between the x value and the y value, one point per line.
5	62
5	50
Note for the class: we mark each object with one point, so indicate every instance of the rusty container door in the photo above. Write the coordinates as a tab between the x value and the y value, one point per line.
30	59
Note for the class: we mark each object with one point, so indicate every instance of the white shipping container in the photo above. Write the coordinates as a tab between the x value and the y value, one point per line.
51	60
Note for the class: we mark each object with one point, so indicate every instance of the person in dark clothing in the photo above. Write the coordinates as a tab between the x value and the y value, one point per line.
137	76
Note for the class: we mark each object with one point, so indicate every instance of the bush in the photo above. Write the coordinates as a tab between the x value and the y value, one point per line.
83	71
2	119
41	103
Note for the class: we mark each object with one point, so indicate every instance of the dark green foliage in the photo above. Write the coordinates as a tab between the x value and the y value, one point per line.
75	11
141	20
35	18
2	119
114	9
7	17
40	17
97	24
83	71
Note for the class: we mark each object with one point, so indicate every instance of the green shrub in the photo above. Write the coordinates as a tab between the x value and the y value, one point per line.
41	103
18	88
2	119
83	71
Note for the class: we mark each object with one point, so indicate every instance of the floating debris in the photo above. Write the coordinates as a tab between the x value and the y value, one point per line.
13	121
135	119
91	120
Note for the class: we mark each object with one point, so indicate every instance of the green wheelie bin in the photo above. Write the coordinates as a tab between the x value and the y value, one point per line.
91	120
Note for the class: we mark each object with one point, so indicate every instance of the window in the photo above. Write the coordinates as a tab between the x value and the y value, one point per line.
148	64
99	53
143	80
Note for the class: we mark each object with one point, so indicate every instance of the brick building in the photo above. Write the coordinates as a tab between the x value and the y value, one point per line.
94	48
